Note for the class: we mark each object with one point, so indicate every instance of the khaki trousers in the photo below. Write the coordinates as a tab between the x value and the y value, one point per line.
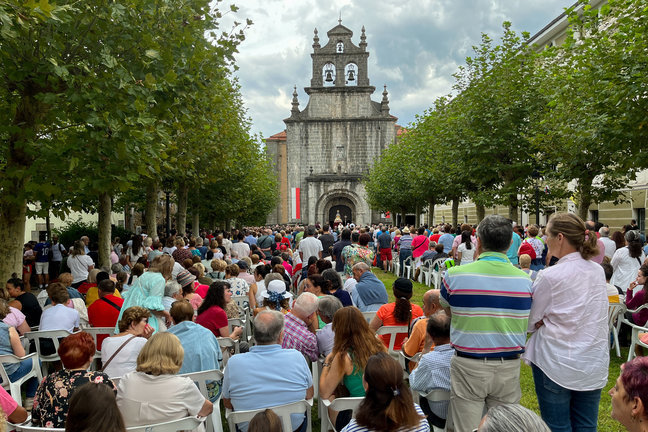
477	384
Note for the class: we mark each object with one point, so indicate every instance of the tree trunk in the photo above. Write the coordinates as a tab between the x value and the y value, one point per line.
584	198
455	211
130	219
513	207
228	225
481	212
181	216
152	192
12	230
431	204
195	224
417	216
105	230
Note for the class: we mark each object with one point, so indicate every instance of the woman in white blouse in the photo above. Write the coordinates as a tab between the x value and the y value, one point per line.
568	349
154	393
627	260
119	353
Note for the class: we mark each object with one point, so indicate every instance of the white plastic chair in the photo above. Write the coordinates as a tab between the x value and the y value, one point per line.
282	411
426	273
225	344
201	379
14	386
340	404
187	423
396	265
634	339
369	316
440	395
408	267
52	335
615	314
392	331
95	332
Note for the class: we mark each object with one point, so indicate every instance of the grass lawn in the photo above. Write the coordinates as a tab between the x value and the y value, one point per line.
529	400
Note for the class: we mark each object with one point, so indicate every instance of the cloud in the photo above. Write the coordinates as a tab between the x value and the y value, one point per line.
415	46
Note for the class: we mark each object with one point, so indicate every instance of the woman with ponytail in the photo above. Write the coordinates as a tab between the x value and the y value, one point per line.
388	404
399	313
627	260
569	346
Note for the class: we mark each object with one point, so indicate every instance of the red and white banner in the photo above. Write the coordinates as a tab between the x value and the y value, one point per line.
295	204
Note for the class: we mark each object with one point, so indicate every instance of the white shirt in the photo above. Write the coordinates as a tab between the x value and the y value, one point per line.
625	268
467	255
78	265
572	347
610	246
126	360
59	317
310	246
241	248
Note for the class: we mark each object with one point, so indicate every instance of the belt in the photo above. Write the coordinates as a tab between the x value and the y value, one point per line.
499	358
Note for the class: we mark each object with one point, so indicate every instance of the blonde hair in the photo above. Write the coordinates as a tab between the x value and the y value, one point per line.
162	264
201	269
66	279
92	275
161	355
218	265
525	260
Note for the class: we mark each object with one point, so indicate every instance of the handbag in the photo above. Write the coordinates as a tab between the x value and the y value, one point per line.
117	352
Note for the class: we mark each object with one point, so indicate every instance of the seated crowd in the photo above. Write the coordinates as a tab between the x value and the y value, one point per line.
316	299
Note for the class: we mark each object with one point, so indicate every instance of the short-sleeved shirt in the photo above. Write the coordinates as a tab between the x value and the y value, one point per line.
59	317
384	240
267	376
145	399
297	336
310	246
213	319
327	241
42	251
386	315
52	398
57	250
7	403
126	359
78	265
103	314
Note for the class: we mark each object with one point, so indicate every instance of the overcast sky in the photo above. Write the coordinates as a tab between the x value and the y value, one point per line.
414	47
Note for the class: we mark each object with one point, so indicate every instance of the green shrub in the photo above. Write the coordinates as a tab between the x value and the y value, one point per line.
74	230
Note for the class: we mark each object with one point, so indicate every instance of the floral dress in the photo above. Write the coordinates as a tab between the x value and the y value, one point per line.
353	254
239	286
52	398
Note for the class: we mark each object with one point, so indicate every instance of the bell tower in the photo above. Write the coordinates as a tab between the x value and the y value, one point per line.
331	143
340	63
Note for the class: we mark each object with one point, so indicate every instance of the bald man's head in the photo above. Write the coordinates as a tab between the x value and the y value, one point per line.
431	302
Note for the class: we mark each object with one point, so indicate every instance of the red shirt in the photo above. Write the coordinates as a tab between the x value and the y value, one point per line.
103	314
435	238
213	319
85	286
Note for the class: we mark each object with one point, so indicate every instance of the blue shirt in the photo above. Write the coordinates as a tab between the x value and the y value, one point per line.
267	376
512	252
446	240
200	346
433	372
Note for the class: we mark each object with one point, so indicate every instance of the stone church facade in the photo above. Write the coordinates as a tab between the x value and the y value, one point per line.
329	146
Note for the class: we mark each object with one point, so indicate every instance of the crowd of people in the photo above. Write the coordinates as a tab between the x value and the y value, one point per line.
312	296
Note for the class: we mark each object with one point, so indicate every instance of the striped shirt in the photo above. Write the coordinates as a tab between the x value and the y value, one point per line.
423	426
490	301
433	372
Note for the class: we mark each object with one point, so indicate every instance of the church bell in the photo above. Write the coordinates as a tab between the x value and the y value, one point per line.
351	74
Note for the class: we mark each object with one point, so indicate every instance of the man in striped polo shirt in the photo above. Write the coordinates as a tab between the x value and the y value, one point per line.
489	301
